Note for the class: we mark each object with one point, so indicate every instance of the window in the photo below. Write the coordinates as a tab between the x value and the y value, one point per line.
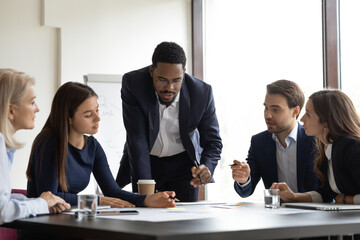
350	49
249	44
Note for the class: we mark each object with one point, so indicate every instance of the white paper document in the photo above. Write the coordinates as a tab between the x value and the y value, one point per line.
192	211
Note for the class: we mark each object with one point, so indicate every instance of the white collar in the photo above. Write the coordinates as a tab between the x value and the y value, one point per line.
328	151
292	134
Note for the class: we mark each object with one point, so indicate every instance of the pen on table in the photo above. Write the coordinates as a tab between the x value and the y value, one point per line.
197	165
41	215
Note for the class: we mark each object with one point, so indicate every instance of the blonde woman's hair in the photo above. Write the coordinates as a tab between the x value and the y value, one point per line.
13	88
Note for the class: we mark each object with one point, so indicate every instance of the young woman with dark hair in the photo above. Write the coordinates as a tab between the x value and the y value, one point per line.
63	155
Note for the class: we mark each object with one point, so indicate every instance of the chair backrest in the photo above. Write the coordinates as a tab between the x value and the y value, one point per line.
22	191
9	233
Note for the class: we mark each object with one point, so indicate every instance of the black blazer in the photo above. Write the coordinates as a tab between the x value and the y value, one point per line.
345	157
262	161
199	128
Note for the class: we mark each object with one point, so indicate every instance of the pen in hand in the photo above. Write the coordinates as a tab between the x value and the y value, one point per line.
171	197
234	164
197	165
175	199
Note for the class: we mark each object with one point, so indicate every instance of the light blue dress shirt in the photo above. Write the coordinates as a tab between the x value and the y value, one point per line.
286	159
14	206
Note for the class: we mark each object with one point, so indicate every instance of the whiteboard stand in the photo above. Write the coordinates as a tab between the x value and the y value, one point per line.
112	133
104	78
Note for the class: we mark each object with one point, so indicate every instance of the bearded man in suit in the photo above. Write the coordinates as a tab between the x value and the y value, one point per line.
171	124
283	153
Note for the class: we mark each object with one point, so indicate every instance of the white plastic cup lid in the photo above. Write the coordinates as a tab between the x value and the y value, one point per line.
146	181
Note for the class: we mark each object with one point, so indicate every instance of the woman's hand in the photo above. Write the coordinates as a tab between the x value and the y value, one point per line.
160	200
58	208
344	199
55	203
115	202
339	198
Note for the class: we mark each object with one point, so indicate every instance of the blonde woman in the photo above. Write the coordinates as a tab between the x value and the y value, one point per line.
17	111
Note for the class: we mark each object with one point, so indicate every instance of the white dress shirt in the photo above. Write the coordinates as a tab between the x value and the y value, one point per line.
14	206
168	141
315	196
286	159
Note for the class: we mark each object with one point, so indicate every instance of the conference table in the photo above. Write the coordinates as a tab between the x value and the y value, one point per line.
204	221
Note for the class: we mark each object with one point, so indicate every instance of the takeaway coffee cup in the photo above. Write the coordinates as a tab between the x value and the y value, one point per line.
146	186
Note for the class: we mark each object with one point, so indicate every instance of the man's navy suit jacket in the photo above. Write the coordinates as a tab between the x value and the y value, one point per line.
262	161
199	128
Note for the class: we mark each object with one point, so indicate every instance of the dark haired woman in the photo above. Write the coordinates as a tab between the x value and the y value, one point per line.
63	157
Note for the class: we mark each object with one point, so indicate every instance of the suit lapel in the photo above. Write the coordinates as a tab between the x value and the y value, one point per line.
300	152
184	111
272	158
153	114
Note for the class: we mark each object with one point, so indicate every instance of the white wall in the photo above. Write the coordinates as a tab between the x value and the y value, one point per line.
115	36
61	40
27	46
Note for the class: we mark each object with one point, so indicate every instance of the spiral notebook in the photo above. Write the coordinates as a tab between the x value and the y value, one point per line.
322	206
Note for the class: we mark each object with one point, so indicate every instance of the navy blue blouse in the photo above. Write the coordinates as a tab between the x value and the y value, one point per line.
80	164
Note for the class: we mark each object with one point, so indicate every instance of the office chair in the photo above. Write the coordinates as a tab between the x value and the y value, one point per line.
9	233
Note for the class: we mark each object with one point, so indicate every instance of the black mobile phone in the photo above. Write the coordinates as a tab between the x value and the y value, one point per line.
117	212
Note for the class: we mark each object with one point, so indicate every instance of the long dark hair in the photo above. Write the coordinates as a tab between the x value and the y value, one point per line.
336	109
66	101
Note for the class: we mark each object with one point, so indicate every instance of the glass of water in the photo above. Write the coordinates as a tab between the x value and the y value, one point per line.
87	206
272	198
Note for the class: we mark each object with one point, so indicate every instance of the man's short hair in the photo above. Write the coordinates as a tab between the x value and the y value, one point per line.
169	52
290	90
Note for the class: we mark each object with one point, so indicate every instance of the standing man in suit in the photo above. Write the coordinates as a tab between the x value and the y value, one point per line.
283	153
171	126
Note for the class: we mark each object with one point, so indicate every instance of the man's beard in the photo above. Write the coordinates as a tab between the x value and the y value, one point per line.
168	103
279	129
